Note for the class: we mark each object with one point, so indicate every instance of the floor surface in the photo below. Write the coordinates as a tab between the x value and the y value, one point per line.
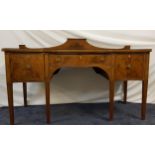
80	114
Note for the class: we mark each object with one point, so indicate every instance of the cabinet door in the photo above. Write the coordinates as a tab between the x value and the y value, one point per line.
27	67
136	71
129	66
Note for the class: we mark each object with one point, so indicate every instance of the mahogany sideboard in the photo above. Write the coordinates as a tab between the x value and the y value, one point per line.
40	64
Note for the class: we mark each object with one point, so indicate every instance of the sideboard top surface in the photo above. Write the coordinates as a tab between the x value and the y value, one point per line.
75	46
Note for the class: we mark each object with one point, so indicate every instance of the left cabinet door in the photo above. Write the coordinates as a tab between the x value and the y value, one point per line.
27	67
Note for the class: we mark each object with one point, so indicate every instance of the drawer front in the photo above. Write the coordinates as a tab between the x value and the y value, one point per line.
80	60
129	66
27	67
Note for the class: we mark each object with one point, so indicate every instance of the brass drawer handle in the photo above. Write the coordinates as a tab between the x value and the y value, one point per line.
58	59
128	66
102	59
28	66
98	59
129	56
80	57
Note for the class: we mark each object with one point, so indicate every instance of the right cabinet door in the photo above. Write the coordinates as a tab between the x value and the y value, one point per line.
129	66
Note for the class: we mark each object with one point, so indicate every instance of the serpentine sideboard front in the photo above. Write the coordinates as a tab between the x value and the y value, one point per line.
39	65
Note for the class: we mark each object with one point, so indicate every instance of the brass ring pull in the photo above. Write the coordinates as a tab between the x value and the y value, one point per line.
102	58
129	66
58	59
80	57
129	56
28	66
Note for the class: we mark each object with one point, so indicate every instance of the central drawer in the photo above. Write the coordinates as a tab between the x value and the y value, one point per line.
79	60
27	67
